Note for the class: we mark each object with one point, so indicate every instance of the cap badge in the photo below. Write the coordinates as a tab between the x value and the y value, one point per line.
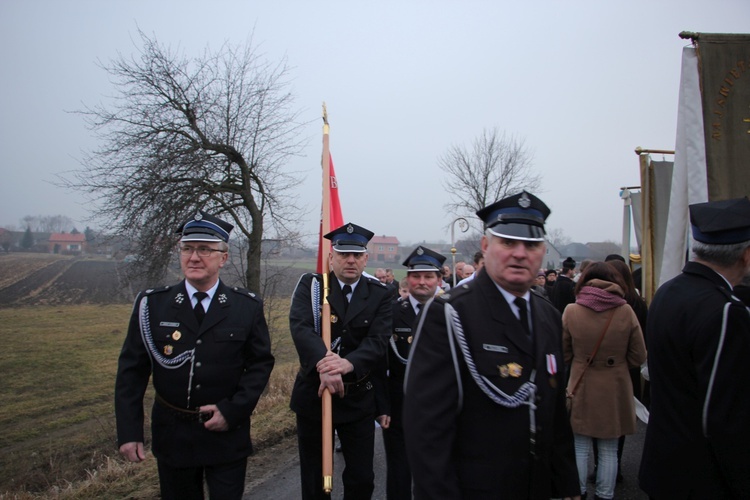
420	251
350	229
524	201
198	216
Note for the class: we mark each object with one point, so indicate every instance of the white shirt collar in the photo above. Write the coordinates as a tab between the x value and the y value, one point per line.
191	291
353	285
510	298
414	302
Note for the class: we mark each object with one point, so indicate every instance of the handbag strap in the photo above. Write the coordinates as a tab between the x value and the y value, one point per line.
596	349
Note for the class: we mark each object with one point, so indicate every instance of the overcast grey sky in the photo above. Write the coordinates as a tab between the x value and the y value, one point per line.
583	83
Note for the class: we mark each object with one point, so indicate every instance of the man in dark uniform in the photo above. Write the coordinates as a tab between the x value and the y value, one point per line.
360	326
207	350
562	293
484	404
698	438
423	277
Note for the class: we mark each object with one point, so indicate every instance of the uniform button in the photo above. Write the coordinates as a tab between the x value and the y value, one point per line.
198	364
198	342
197	387
610	361
231	335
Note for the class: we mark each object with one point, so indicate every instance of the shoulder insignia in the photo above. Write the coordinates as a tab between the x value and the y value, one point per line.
244	292
152	291
375	281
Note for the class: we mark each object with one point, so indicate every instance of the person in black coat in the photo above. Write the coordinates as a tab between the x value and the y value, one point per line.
563	291
698	438
423	277
209	367
360	327
484	402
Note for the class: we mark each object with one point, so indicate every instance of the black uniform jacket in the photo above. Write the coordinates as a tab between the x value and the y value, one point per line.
358	333
460	443
389	382
685	455
231	366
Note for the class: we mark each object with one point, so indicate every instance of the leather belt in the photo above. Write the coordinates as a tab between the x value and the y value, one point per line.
183	413
361	385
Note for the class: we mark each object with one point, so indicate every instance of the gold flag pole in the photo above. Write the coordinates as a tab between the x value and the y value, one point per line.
327	410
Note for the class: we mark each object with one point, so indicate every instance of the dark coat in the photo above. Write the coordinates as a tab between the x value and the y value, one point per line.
681	459
472	447
232	364
363	331
390	374
563	293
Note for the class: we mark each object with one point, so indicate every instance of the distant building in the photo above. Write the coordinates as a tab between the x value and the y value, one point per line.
66	242
552	259
384	249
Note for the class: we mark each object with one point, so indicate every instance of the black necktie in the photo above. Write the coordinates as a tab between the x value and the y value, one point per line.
523	314
200	313
419	307
346	290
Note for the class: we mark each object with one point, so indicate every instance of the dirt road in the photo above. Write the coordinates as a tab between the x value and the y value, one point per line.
274	472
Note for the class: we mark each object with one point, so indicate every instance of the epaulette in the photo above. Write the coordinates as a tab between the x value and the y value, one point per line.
152	291
245	292
454	292
376	281
535	292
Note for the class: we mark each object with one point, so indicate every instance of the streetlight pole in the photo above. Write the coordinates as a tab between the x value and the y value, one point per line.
463	224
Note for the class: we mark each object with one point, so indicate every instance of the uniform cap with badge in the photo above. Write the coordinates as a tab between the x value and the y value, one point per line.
205	227
724	222
349	238
517	217
424	259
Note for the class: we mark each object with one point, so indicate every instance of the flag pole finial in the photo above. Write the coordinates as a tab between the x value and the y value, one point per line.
325	118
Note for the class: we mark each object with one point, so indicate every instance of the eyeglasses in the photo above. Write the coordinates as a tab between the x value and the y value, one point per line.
187	251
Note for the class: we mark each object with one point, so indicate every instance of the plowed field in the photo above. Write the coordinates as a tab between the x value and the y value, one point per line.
26	279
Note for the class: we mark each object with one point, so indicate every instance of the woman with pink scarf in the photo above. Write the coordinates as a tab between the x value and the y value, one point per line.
602	324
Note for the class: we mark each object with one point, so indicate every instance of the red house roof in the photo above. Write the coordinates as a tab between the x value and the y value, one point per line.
384	240
67	238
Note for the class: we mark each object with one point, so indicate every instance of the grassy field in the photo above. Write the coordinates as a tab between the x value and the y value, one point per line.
57	418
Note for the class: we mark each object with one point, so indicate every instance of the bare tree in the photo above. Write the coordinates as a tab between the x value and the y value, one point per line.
494	167
557	237
211	132
48	223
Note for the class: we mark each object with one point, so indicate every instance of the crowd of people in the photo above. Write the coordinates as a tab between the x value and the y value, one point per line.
495	379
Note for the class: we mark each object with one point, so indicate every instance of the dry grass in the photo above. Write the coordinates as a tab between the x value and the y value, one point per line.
58	439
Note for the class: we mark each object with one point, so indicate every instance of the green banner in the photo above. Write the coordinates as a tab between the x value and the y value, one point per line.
724	65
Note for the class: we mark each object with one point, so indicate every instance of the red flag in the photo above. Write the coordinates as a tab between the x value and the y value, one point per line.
336	220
